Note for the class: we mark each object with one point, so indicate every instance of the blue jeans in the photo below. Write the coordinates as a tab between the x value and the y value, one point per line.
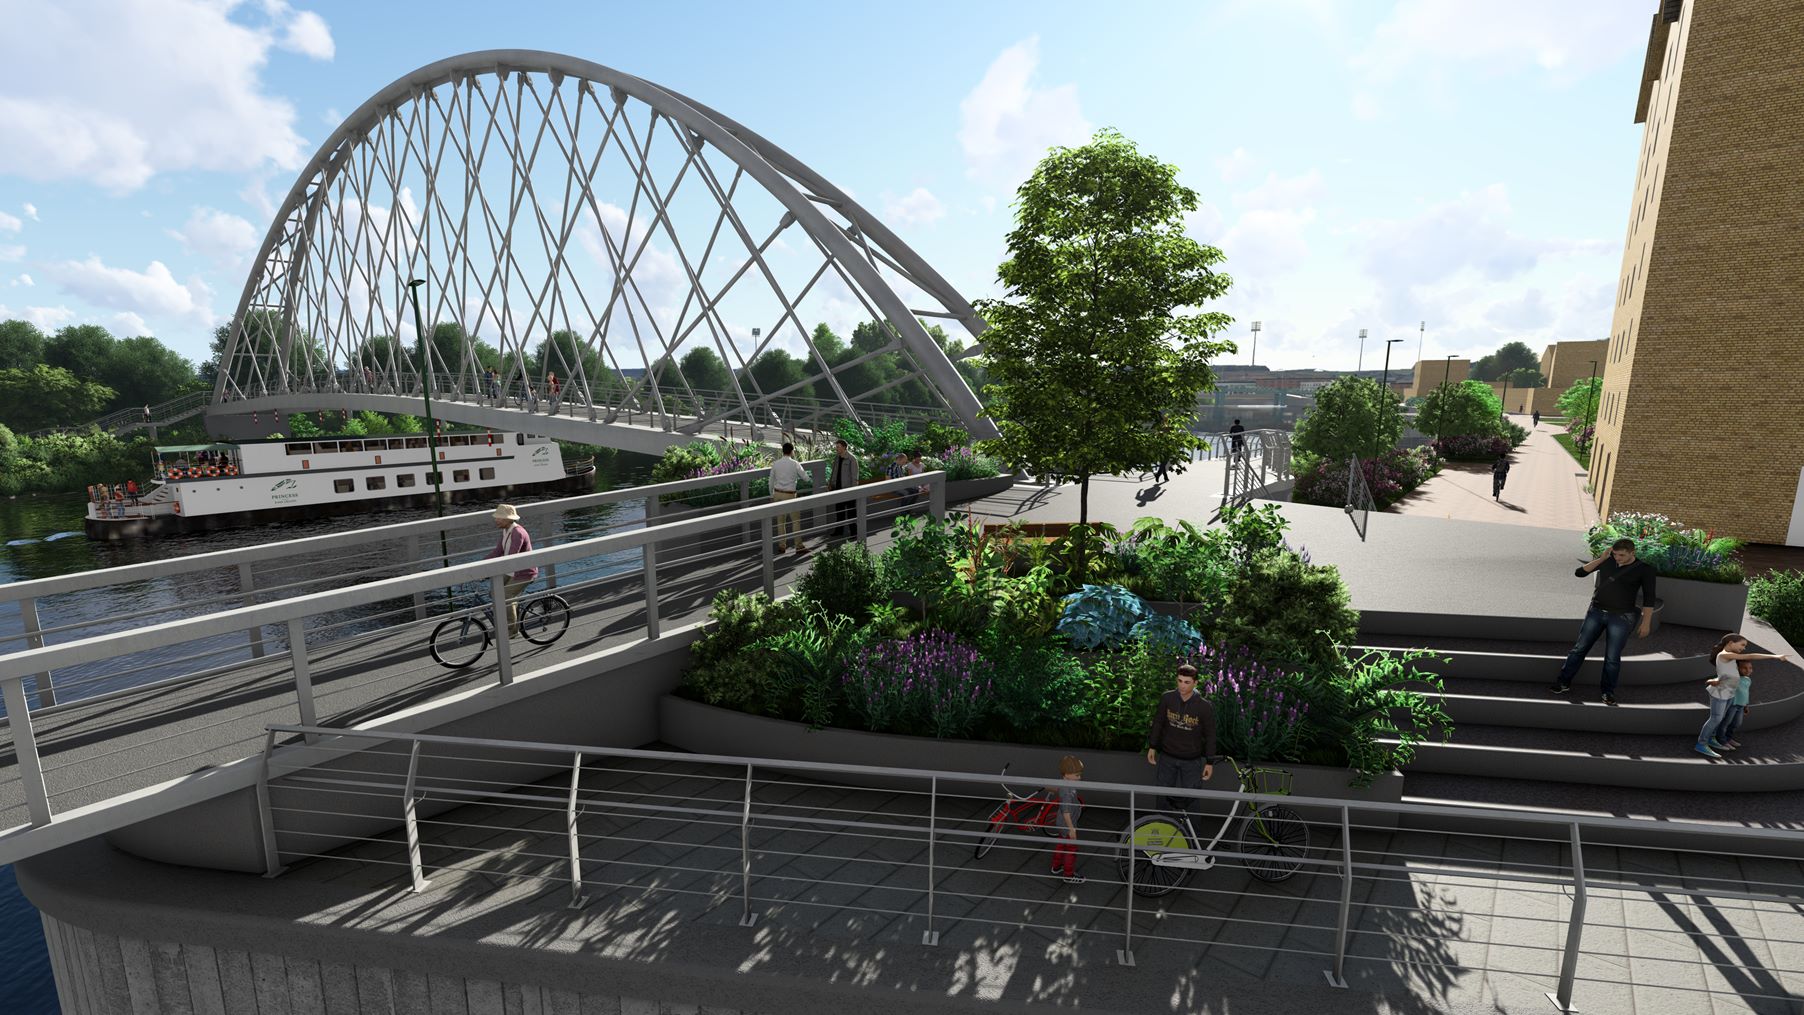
1731	723
1719	715
1617	626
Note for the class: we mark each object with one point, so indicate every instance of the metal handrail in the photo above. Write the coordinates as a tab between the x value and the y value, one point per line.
126	420
1360	504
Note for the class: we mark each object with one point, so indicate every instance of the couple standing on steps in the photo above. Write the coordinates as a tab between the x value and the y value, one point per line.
1728	694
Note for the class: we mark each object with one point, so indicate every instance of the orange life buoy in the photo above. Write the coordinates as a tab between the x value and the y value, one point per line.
212	470
231	470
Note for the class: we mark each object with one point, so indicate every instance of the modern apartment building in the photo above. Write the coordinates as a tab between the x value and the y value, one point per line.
1432	373
1702	410
1565	364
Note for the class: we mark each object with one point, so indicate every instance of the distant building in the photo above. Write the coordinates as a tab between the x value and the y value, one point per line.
1700	414
1432	373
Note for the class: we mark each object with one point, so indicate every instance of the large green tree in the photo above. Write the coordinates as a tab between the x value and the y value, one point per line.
21	345
46	396
1353	417
1455	410
1099	348
1512	360
144	371
1579	402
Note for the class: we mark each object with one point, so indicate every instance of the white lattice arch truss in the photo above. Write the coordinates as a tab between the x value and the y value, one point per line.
537	193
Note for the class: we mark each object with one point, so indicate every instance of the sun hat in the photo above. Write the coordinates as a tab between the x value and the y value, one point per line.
506	512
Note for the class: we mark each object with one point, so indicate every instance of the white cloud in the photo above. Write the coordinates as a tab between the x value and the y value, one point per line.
918	207
1282	194
1235	166
1267	242
1522	313
153	292
332	118
219	236
128	325
1560	38
12	252
24	280
43	318
116	92
10	223
31	211
306	33
1007	122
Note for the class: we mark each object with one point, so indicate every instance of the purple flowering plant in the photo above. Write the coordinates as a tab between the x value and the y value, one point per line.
931	682
1261	713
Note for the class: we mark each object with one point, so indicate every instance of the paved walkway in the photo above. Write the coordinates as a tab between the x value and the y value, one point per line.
1546	488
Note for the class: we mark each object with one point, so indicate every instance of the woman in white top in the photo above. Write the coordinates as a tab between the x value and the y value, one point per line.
1730	650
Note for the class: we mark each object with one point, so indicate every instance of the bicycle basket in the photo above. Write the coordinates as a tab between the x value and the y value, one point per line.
1268	781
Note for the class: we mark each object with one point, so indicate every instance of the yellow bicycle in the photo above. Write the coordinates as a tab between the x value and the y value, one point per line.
1270	838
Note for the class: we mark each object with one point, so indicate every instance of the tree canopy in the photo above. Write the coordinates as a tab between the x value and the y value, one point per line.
1353	417
46	396
134	371
1098	350
1514	362
21	345
1457	410
1579	402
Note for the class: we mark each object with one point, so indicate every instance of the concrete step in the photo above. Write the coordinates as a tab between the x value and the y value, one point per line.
1670	655
1582	711
1647	762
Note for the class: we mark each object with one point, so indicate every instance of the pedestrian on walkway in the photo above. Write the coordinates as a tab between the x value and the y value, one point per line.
514	539
131	491
1722	690
1064	855
1181	744
493	387
1237	443
551	389
785	476
1536	417
1500	473
915	467
1613	606
845	477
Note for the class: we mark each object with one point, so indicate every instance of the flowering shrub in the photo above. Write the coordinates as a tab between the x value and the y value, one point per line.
964	462
931	682
1582	435
1472	447
1389	476
1674	550
1259	713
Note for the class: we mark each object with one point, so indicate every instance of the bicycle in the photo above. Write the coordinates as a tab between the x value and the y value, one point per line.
1272	837
1037	810
459	641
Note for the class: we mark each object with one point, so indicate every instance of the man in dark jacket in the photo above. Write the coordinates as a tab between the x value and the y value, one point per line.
1500	474
1620	576
1182	741
844	477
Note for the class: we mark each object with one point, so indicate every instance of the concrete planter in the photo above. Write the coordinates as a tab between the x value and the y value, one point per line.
1715	605
694	726
961	490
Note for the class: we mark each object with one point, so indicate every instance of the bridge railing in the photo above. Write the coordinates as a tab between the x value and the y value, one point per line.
85	603
325	669
1566	899
127	420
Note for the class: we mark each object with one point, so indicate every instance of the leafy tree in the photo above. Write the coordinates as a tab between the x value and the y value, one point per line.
1453	410
82	349
703	368
144	371
1579	402
1353	417
46	396
1097	353
307	359
774	370
21	345
1512	357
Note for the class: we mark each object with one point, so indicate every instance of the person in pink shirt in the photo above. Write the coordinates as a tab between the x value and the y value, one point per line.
514	539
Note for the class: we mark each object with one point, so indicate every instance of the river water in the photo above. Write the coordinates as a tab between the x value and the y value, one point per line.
41	537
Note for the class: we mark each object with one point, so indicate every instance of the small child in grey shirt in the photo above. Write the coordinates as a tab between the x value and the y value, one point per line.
1064	855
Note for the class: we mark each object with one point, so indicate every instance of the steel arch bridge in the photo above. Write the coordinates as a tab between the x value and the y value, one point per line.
568	219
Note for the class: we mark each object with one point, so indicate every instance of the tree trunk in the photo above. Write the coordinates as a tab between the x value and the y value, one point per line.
1083	522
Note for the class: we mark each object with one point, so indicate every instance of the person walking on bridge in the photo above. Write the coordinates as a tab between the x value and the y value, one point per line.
785	476
845	477
1612	614
1236	443
514	539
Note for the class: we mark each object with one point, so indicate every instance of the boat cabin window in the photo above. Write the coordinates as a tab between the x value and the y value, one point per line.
460	441
375	482
433	478
325	447
460	475
520	438
485	473
416	442
404	479
350	445
343	485
300	449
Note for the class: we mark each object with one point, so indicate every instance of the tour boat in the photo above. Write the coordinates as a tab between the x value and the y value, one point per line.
215	486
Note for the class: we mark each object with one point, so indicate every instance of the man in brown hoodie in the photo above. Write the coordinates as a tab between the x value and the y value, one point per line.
1182	740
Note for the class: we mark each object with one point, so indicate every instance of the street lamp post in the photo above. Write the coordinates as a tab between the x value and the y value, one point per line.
1362	351
419	327
1591	396
1256	326
1386	383
1447	376
1421	336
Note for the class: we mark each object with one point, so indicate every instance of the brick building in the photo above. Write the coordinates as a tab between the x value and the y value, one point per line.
1565	364
1432	373
1700	415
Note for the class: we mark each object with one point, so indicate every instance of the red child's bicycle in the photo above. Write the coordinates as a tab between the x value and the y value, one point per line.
1036	811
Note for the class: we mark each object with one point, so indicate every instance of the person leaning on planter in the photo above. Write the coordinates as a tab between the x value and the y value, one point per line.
1619	577
1181	743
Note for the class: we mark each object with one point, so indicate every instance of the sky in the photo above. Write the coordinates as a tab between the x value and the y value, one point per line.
1361	163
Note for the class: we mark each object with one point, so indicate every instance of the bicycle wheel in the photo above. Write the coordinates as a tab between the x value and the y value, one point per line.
998	821
1278	838
545	619
460	641
1151	836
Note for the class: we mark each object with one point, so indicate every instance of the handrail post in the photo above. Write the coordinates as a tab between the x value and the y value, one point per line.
411	548
931	936
768	556
862	515
413	824
247	586
272	857
504	639
747	917
34	638
25	750
936	499
303	676
649	564
576	854
1125	956
1337	976
1575	929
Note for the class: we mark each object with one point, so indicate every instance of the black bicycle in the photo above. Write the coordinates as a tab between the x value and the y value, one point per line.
459	641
